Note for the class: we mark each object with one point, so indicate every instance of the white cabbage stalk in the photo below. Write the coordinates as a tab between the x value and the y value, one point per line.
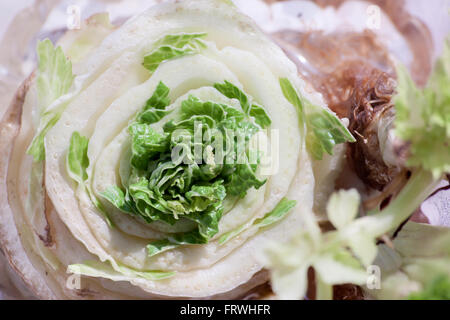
50	226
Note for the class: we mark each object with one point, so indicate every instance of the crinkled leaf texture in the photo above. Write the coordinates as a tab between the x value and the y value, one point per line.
423	116
110	135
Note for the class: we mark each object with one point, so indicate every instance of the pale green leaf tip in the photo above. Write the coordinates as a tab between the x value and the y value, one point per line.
105	270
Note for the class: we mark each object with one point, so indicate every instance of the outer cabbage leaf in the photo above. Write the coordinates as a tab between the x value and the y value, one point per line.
54	80
164	187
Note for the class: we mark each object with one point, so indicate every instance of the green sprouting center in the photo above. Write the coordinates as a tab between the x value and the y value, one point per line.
187	169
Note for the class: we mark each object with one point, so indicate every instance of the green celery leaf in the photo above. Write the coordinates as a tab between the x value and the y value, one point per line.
417	265
423	117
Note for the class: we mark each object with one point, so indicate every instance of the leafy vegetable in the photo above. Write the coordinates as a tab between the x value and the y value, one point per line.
187	238
278	213
422	120
260	115
174	46
160	246
324	129
116	196
290	93
242	179
423	117
104	270
154	107
37	147
146	143
152	116
77	159
231	91
77	162
336	256
54	80
186	169
159	99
